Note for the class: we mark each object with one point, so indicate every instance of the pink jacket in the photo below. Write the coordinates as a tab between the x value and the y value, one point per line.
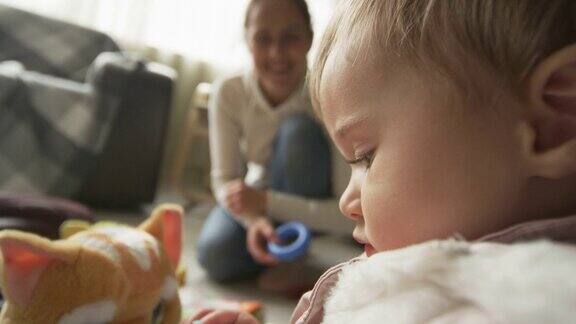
310	308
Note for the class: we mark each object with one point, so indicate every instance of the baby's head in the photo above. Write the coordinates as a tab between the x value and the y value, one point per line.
457	117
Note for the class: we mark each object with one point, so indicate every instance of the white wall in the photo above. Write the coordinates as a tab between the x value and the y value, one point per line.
207	30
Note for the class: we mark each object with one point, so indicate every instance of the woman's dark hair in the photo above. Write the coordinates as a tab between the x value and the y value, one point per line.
301	5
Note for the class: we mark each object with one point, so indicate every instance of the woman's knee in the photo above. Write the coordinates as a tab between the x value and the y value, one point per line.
220	241
299	129
302	158
221	248
302	137
301	141
226	262
214	257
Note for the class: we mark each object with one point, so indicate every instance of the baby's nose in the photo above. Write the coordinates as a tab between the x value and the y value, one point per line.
350	203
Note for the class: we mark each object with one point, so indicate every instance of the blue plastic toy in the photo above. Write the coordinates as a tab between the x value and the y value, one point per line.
295	238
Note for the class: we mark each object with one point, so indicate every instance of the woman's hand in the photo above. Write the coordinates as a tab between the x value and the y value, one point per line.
246	204
260	231
241	199
209	316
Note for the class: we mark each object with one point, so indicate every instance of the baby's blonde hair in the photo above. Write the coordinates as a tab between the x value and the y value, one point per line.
508	38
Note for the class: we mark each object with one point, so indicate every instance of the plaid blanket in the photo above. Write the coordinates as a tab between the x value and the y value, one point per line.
51	131
56	114
50	46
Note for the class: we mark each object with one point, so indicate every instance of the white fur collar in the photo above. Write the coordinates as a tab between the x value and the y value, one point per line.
458	282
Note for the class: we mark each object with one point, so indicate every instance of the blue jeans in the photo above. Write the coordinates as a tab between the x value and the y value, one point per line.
300	165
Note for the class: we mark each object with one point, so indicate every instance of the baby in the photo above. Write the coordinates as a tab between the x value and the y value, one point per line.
458	119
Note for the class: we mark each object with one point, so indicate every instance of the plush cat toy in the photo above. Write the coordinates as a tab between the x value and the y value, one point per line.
108	273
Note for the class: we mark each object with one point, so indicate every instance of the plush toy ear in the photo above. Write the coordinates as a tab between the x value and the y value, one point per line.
25	258
73	226
165	224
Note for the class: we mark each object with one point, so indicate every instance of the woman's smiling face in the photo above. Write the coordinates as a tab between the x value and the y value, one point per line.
279	38
423	166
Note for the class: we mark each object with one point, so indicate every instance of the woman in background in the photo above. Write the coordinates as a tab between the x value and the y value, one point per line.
271	161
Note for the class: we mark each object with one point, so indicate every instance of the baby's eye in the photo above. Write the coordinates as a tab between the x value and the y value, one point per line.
365	160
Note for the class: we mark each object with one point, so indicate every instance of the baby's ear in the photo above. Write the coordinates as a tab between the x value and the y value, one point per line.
165	224
25	257
552	88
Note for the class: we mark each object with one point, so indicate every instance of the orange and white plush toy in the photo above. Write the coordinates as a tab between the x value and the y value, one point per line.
107	273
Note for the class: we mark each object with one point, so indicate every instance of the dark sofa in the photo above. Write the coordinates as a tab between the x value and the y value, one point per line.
123	172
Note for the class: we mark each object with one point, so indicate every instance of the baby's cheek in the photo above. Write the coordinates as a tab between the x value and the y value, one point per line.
398	213
384	216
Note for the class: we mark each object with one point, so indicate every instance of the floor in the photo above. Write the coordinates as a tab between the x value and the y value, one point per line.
325	252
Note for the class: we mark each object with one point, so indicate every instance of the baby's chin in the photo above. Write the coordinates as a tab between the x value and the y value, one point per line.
394	244
398	240
369	250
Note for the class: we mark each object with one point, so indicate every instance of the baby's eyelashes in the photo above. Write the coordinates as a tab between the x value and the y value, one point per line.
364	160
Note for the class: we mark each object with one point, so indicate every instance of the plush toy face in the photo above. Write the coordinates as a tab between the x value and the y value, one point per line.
105	274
